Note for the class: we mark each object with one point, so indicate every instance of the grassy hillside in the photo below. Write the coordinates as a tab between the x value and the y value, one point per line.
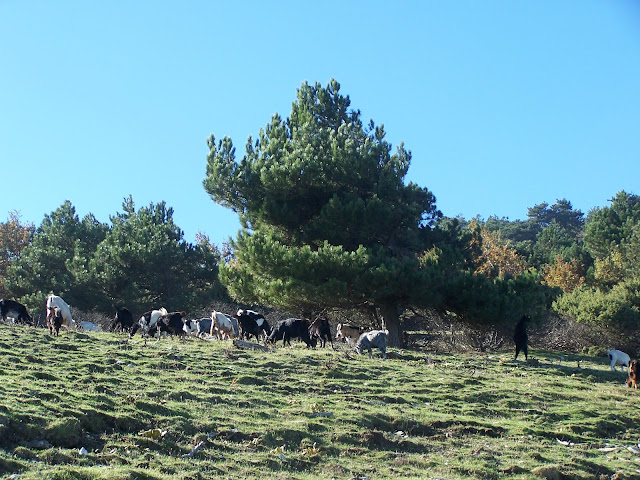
139	411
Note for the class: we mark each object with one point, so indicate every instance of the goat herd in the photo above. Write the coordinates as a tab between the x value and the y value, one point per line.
243	324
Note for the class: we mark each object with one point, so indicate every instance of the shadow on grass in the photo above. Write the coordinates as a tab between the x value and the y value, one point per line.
8	466
590	375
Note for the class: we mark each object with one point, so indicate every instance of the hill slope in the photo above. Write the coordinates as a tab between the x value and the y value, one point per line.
140	410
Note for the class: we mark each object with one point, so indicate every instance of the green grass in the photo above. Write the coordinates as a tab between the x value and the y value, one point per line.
294	413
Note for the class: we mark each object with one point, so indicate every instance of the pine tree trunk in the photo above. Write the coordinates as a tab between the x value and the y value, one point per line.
391	322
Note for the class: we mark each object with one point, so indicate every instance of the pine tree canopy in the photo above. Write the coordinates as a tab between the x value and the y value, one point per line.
328	218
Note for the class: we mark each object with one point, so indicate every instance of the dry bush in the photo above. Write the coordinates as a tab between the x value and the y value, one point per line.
103	320
427	330
354	317
555	332
561	333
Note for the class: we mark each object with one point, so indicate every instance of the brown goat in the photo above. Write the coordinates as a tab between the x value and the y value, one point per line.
634	374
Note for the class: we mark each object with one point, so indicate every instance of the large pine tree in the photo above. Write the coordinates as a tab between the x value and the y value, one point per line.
328	218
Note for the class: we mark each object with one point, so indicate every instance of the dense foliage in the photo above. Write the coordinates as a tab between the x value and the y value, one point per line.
330	222
596	262
139	261
61	245
610	299
14	237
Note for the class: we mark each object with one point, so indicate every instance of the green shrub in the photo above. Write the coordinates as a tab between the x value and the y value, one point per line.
615	310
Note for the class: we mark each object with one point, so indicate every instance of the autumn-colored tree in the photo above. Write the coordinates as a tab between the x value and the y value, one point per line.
568	275
521	233
495	257
609	270
14	237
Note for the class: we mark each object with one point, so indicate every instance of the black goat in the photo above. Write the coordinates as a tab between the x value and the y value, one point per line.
521	338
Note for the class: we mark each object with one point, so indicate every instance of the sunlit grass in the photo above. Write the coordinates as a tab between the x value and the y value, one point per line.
140	411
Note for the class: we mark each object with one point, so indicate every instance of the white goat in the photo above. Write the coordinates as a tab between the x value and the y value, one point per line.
53	302
618	357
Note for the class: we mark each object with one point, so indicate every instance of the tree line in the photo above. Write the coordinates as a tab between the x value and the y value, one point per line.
138	260
328	223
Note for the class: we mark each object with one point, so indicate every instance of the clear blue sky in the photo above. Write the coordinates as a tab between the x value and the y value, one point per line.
503	104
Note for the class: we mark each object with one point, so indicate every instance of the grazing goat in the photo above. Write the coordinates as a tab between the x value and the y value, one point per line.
54	321
252	323
89	326
617	357
170	323
147	320
320	329
290	328
348	333
15	310
373	339
520	337
123	320
53	302
223	325
198	327
634	374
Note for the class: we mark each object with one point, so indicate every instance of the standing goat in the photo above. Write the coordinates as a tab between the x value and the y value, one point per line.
520	337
